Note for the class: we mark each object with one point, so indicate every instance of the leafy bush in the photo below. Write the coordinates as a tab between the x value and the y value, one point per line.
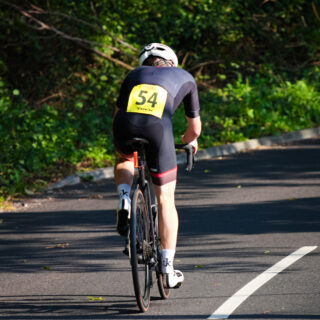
79	135
58	83
45	136
259	106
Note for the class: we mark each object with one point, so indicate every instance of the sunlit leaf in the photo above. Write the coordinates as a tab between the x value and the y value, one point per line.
28	192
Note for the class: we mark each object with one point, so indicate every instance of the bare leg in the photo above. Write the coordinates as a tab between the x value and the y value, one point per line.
124	171
168	216
168	231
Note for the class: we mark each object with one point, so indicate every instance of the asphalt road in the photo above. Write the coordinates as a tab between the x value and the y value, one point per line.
239	216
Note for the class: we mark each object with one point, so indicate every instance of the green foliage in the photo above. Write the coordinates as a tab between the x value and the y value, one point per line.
62	62
34	139
260	106
226	35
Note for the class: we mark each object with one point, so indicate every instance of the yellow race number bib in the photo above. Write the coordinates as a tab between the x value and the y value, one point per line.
147	99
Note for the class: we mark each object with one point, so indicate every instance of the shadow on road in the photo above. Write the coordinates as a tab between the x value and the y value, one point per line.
44	307
83	240
67	241
296	215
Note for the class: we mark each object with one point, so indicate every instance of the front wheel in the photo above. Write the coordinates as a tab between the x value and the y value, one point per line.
140	250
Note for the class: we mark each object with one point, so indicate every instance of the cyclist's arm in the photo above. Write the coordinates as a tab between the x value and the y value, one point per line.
192	132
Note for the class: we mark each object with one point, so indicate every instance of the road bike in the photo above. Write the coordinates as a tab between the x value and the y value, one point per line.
143	242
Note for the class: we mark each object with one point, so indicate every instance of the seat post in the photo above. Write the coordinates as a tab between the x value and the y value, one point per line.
138	144
141	164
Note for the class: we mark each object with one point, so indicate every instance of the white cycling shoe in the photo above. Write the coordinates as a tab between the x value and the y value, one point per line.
173	280
123	213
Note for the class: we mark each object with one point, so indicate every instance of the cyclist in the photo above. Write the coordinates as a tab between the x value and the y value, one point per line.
148	97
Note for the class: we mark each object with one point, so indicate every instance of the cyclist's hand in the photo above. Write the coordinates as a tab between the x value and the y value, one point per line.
194	145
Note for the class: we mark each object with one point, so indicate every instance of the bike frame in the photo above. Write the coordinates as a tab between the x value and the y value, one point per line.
144	182
151	248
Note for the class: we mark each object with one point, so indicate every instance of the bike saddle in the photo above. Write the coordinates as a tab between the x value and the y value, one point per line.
137	141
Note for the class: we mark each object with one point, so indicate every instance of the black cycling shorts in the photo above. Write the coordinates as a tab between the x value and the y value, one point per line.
160	152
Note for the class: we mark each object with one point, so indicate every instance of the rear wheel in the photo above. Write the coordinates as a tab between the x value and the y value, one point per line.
164	292
140	250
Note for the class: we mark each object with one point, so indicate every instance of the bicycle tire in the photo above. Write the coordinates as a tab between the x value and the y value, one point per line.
164	292
139	250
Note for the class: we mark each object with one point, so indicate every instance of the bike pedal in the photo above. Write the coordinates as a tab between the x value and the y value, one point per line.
140	259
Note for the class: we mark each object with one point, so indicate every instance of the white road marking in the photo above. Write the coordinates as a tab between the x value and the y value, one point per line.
226	309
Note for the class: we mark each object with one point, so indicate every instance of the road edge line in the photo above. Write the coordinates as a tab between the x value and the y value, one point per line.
213	152
231	304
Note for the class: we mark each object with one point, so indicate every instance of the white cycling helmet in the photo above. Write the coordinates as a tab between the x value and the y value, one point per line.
158	50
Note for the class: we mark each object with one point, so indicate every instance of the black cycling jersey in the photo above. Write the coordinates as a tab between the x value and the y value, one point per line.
148	98
158	91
